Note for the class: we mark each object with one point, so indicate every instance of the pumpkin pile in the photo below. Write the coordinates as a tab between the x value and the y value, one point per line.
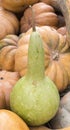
35	65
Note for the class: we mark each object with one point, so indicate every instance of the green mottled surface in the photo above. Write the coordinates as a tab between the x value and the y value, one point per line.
36	104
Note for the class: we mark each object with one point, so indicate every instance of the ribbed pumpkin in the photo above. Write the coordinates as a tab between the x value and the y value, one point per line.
8	47
9	23
7	82
53	3
11	121
17	5
44	15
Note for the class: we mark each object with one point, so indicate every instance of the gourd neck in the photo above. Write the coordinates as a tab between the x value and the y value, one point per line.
36	65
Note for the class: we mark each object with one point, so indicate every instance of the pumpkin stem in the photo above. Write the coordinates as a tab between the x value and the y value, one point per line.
65	8
33	19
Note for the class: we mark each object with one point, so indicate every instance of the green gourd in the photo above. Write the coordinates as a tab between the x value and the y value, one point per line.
35	97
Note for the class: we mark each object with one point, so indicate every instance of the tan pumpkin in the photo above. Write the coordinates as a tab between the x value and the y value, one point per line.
11	121
62	118
8	47
44	15
7	82
9	23
53	3
17	6
57	56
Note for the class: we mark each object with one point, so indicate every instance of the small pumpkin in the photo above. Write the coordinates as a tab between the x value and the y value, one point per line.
44	15
11	121
17	6
9	23
7	81
8	47
62	118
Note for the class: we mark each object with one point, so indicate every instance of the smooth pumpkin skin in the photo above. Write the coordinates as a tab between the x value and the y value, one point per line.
11	121
7	82
17	6
9	23
57	56
43	14
8	46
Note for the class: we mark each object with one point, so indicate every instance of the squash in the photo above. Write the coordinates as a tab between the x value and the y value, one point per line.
8	47
17	6
11	121
44	15
9	23
53	3
57	56
62	118
7	81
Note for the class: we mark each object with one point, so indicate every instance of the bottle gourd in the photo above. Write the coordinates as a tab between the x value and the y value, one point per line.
35	97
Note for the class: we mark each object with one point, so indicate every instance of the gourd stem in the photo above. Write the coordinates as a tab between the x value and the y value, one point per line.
65	8
33	20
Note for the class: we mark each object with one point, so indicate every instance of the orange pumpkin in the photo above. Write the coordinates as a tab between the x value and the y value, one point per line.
7	81
57	56
8	47
9	23
53	3
44	15
11	121
17	6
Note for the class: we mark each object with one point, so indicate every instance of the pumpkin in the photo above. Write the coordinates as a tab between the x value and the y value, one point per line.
9	23
11	121
7	81
17	6
8	47
57	56
44	15
62	118
53	3
62	30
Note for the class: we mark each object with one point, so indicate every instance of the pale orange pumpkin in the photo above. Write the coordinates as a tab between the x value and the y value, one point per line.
7	82
9	23
44	15
17	6
11	121
8	47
